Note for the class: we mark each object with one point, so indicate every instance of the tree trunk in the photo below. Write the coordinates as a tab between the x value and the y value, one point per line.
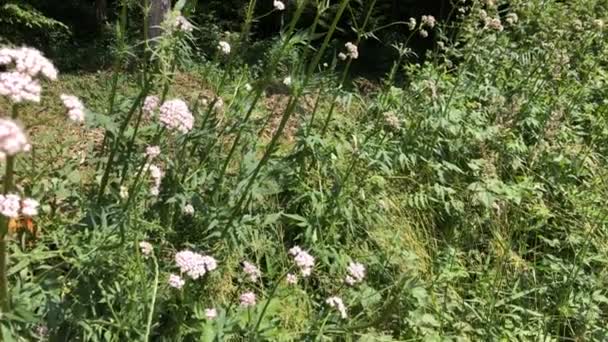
158	10
101	11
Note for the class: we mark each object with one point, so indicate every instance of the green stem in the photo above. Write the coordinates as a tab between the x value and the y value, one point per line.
153	303
4	221
346	69
108	169
4	302
272	292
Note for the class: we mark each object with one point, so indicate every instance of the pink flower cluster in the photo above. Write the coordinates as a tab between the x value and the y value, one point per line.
151	104
174	114
74	106
291	279
28	61
303	260
338	304
12	139
195	265
252	271
11	205
152	152
19	87
20	84
176	281
356	273
247	299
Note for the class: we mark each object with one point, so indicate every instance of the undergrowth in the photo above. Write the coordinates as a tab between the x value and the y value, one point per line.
461	198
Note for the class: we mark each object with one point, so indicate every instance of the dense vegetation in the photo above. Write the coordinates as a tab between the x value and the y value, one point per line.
227	182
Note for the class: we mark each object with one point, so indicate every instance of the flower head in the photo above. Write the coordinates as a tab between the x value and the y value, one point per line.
511	18
29	207
211	313
194	264
124	192
291	279
342	56
174	114
411	24
176	281
10	205
423	33
428	21
151	103
146	248
12	139
391	120
152	152
494	24
356	273
247	299
287	81
352	50
252	271
224	47
278	5
74	106
338	304
303	260
19	87
28	61
188	209
182	24
157	175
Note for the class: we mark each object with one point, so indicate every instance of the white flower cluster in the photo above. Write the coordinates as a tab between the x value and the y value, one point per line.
428	21
278	5
338	304
157	175
195	265
303	260
12	139
494	24
188	209
146	248
351	52
182	24
11	206
174	114
224	47
20	84
74	106
356	273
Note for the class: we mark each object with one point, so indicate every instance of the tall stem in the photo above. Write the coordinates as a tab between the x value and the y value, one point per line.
289	110
153	303
4	221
